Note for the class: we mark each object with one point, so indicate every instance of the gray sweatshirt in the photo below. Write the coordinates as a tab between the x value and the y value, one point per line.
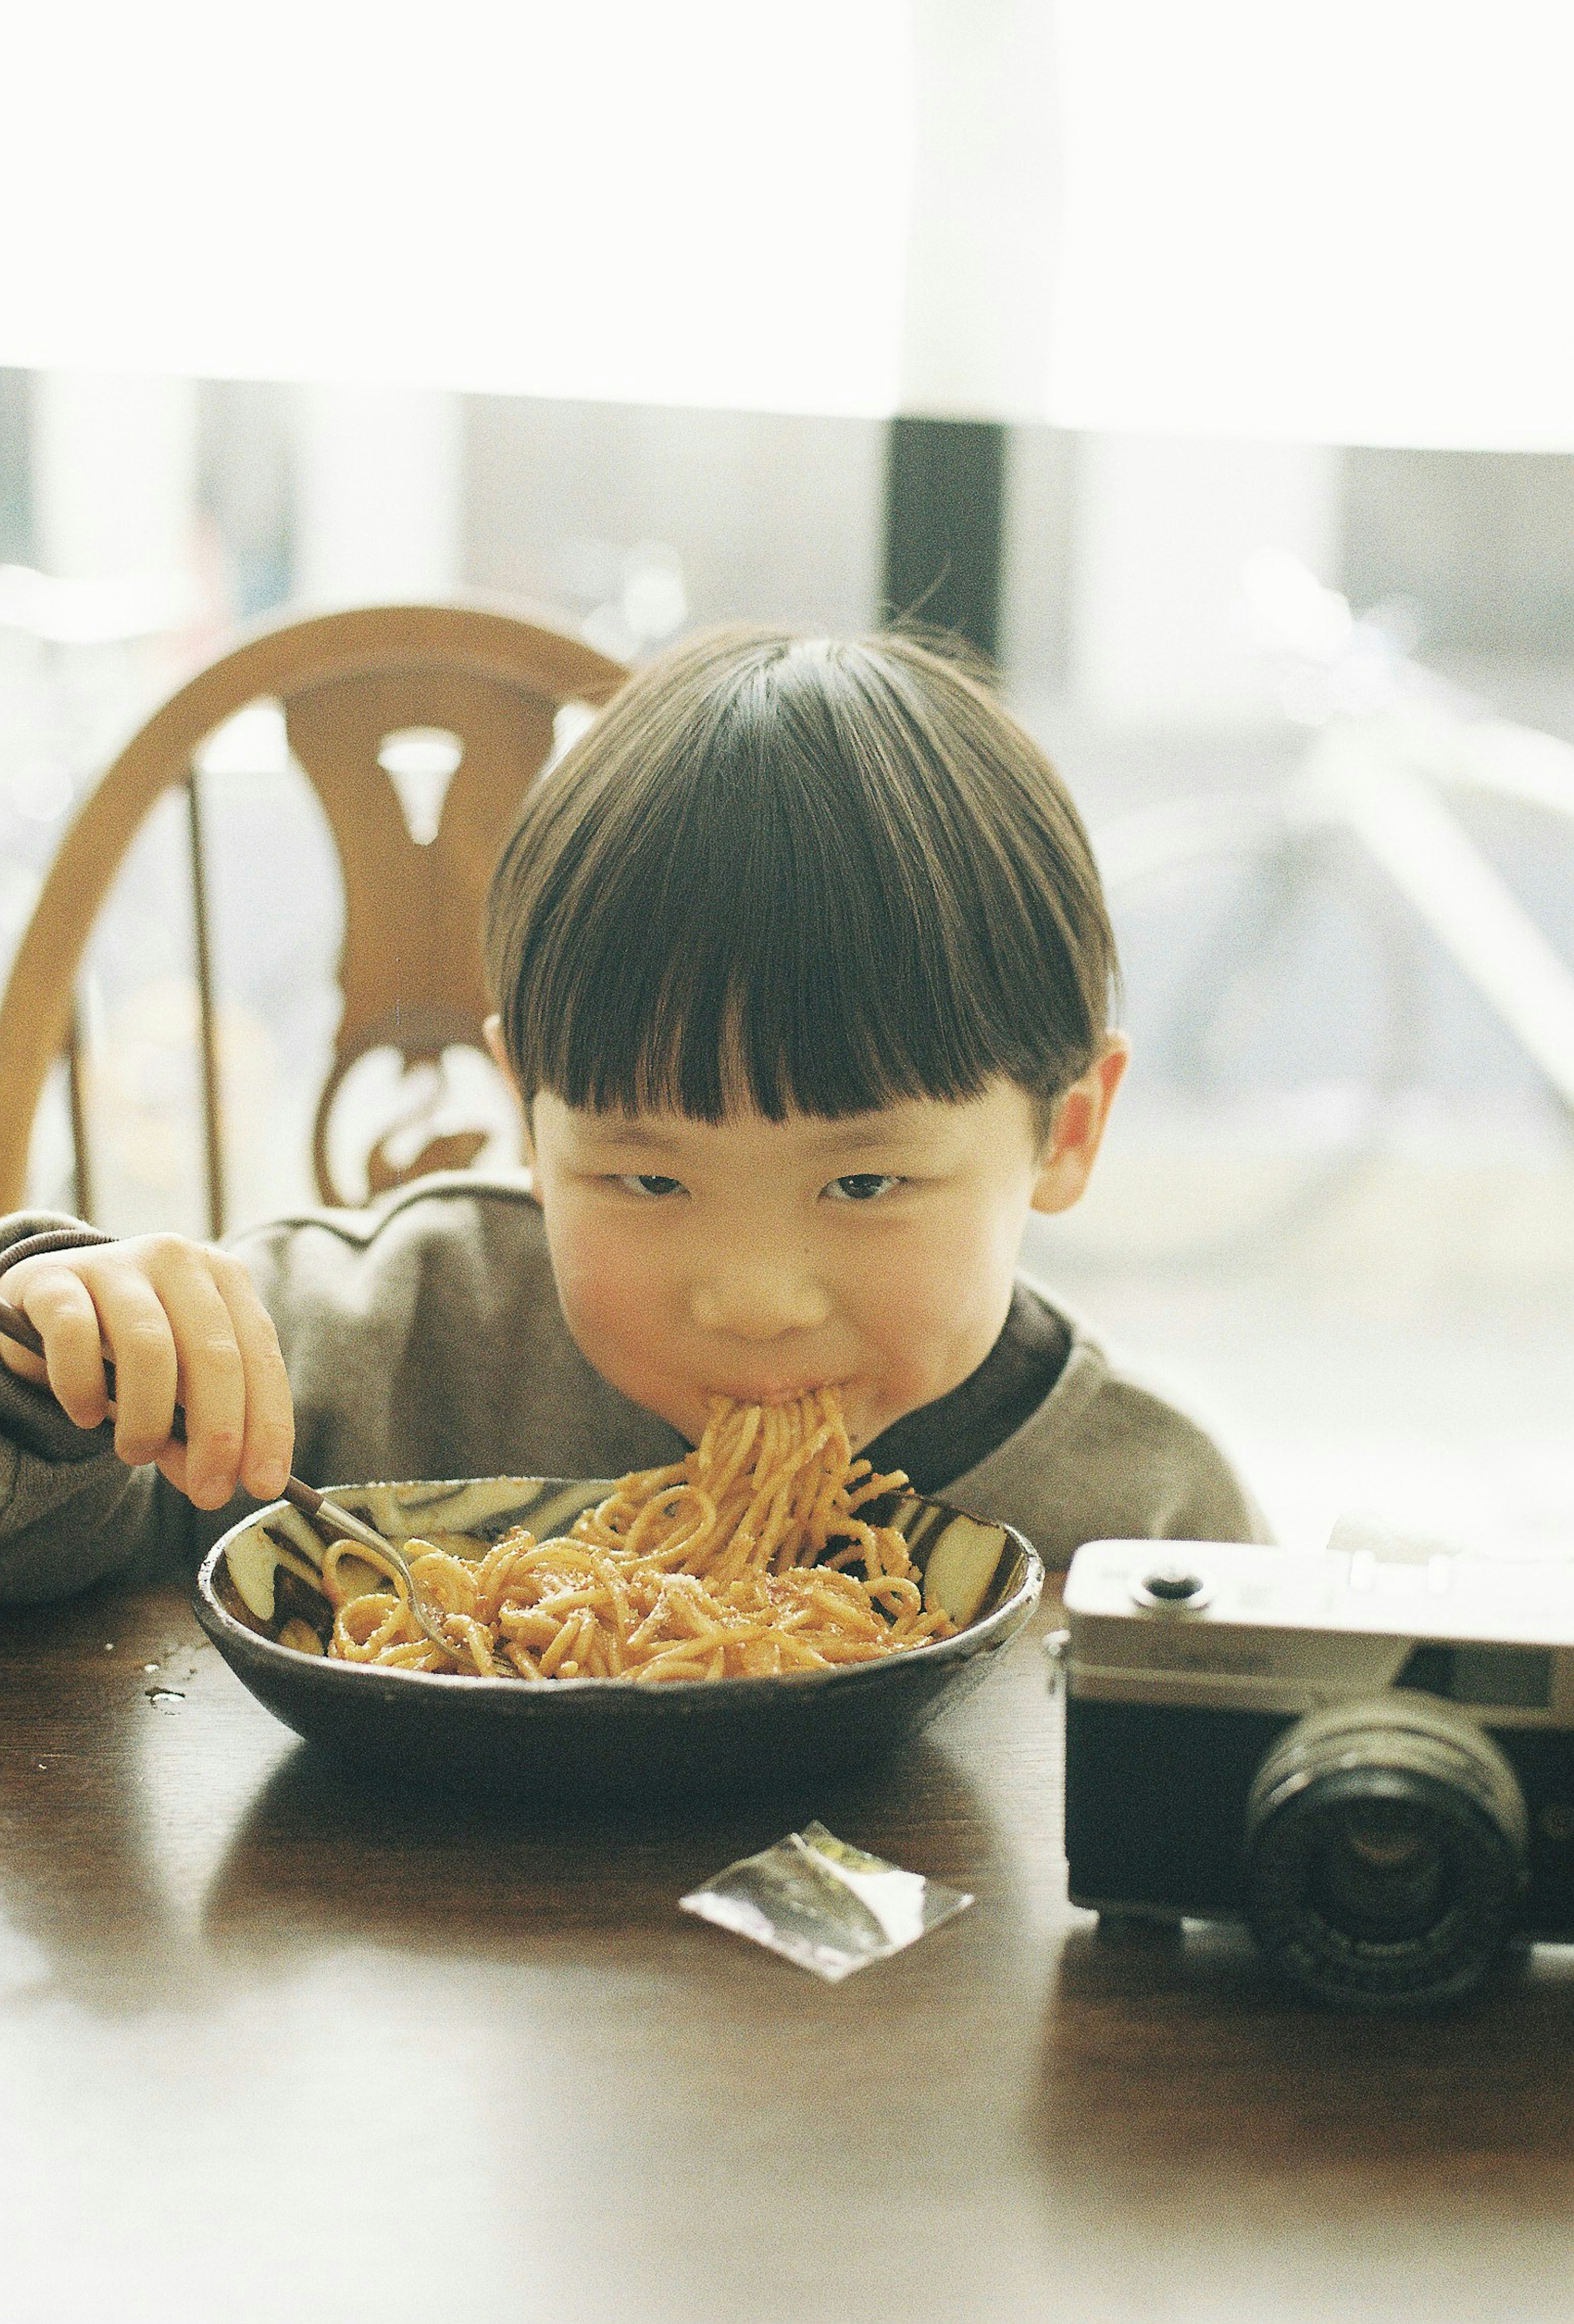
424	1339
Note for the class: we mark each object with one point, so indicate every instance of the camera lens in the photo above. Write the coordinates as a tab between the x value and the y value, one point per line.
1385	1871
1384	1850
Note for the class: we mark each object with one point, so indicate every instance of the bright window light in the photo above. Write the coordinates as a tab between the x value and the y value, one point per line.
1336	221
696	202
1343	221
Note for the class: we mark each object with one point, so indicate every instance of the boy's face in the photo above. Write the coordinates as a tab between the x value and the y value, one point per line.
760	1259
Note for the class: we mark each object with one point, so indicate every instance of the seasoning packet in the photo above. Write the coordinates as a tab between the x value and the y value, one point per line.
828	1907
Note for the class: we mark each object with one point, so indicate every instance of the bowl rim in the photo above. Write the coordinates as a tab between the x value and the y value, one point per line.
1010	1616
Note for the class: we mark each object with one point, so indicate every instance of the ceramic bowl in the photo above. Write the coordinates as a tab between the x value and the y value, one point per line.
583	1739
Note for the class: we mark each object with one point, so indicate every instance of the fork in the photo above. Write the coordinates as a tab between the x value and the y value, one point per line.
14	1325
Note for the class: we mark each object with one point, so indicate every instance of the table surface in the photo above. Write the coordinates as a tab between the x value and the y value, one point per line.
274	2044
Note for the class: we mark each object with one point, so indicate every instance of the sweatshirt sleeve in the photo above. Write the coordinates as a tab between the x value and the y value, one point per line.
71	1513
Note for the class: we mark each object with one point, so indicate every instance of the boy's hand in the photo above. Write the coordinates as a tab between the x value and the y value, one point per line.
181	1322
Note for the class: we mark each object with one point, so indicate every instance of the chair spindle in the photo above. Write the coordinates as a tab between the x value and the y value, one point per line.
209	1031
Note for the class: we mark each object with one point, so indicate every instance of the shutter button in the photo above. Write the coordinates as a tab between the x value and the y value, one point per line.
1171	1585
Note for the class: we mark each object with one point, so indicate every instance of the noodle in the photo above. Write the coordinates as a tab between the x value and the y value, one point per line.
733	1563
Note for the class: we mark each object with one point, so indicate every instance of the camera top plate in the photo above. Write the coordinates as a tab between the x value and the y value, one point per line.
1293	1629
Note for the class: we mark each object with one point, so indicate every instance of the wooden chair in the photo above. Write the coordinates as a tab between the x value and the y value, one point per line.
410	972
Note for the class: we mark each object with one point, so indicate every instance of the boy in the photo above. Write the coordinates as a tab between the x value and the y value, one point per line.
802	973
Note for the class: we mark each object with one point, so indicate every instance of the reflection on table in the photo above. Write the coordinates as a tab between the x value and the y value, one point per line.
288	2037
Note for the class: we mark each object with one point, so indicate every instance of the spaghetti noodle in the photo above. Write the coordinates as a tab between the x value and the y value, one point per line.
737	1562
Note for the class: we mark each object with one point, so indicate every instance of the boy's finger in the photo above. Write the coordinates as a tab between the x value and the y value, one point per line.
171	1463
137	1332
59	1306
270	1414
212	1382
14	1356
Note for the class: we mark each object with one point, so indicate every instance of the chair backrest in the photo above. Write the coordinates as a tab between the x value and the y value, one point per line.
410	971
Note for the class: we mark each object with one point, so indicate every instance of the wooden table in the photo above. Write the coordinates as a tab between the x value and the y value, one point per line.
275	2047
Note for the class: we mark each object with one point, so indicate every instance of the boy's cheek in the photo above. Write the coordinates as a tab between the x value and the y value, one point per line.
915	1339
597	1282
614	1302
602	1304
941	1330
613	1337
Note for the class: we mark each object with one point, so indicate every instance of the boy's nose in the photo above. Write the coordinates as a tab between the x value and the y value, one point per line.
758	1299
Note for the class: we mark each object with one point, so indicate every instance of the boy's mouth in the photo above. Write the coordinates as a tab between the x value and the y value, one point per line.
776	1391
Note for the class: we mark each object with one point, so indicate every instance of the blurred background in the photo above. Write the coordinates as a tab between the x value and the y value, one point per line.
1211	373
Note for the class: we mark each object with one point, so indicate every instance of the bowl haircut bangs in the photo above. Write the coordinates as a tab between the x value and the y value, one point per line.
798	876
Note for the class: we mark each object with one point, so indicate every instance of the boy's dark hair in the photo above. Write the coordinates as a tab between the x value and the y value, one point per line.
802	875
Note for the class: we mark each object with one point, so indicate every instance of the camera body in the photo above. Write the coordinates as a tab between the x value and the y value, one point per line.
1366	1754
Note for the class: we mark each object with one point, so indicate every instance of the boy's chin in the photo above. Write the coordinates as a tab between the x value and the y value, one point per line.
686	1411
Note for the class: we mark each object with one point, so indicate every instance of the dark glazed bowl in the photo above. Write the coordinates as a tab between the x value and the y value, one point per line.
562	1740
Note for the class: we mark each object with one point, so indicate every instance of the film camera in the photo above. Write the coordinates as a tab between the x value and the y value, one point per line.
1367	1755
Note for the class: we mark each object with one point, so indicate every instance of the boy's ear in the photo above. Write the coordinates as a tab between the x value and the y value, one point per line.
1066	1161
492	1034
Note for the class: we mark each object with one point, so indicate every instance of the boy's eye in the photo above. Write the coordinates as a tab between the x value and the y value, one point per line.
651	1182
862	1186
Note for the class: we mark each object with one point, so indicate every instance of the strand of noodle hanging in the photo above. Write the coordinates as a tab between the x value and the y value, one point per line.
733	1563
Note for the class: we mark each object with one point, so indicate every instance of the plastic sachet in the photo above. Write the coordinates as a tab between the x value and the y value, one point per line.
828	1907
